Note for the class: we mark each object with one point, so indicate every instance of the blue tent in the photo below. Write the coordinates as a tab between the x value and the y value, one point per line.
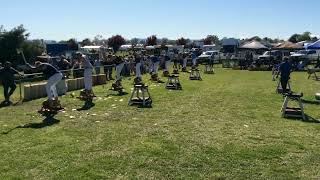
315	45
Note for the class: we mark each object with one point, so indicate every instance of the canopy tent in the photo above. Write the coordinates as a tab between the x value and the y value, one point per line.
315	45
150	47
125	47
305	44
92	47
254	45
288	46
230	42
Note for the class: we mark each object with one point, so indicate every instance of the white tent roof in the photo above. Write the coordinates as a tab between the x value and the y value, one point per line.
253	45
92	47
149	47
212	45
125	47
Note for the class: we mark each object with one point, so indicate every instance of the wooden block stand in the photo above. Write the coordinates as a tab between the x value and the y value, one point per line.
293	112
195	74
140	96
280	90
173	83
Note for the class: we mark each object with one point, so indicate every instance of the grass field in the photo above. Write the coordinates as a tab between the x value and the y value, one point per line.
227	126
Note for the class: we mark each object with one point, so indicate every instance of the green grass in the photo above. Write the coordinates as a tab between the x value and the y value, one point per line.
227	126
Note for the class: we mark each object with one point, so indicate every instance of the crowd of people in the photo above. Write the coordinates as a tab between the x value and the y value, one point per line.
131	62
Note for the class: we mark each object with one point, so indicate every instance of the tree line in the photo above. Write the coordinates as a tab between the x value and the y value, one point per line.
17	38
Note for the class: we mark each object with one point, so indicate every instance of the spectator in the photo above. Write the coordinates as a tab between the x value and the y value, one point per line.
97	64
64	66
285	70
7	75
77	73
108	66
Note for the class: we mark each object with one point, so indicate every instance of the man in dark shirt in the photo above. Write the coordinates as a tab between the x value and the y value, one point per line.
7	74
285	70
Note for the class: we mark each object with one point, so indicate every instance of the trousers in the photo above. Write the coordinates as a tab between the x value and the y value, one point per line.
119	68
88	79
51	85
6	86
167	65
138	70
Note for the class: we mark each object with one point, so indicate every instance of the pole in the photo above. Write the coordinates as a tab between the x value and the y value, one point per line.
20	88
20	51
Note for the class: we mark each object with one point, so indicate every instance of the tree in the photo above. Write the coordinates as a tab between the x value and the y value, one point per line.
86	42
294	38
142	41
207	41
164	41
134	41
171	42
211	39
16	39
152	40
72	43
269	40
255	38
98	40
32	49
306	36
116	42
181	41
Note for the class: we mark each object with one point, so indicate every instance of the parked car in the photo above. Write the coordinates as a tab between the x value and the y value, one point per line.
303	58
210	48
271	55
209	55
306	54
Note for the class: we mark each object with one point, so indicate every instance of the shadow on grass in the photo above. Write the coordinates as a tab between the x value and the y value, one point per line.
116	93
311	102
144	107
4	104
309	119
45	123
86	106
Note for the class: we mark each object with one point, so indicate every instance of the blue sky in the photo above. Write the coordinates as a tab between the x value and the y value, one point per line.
64	19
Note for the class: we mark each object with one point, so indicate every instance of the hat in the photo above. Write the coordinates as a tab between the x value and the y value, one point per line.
7	63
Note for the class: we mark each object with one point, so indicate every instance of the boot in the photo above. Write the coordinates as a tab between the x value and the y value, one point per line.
137	80
83	93
91	93
176	71
56	104
117	85
154	77
46	104
166	73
